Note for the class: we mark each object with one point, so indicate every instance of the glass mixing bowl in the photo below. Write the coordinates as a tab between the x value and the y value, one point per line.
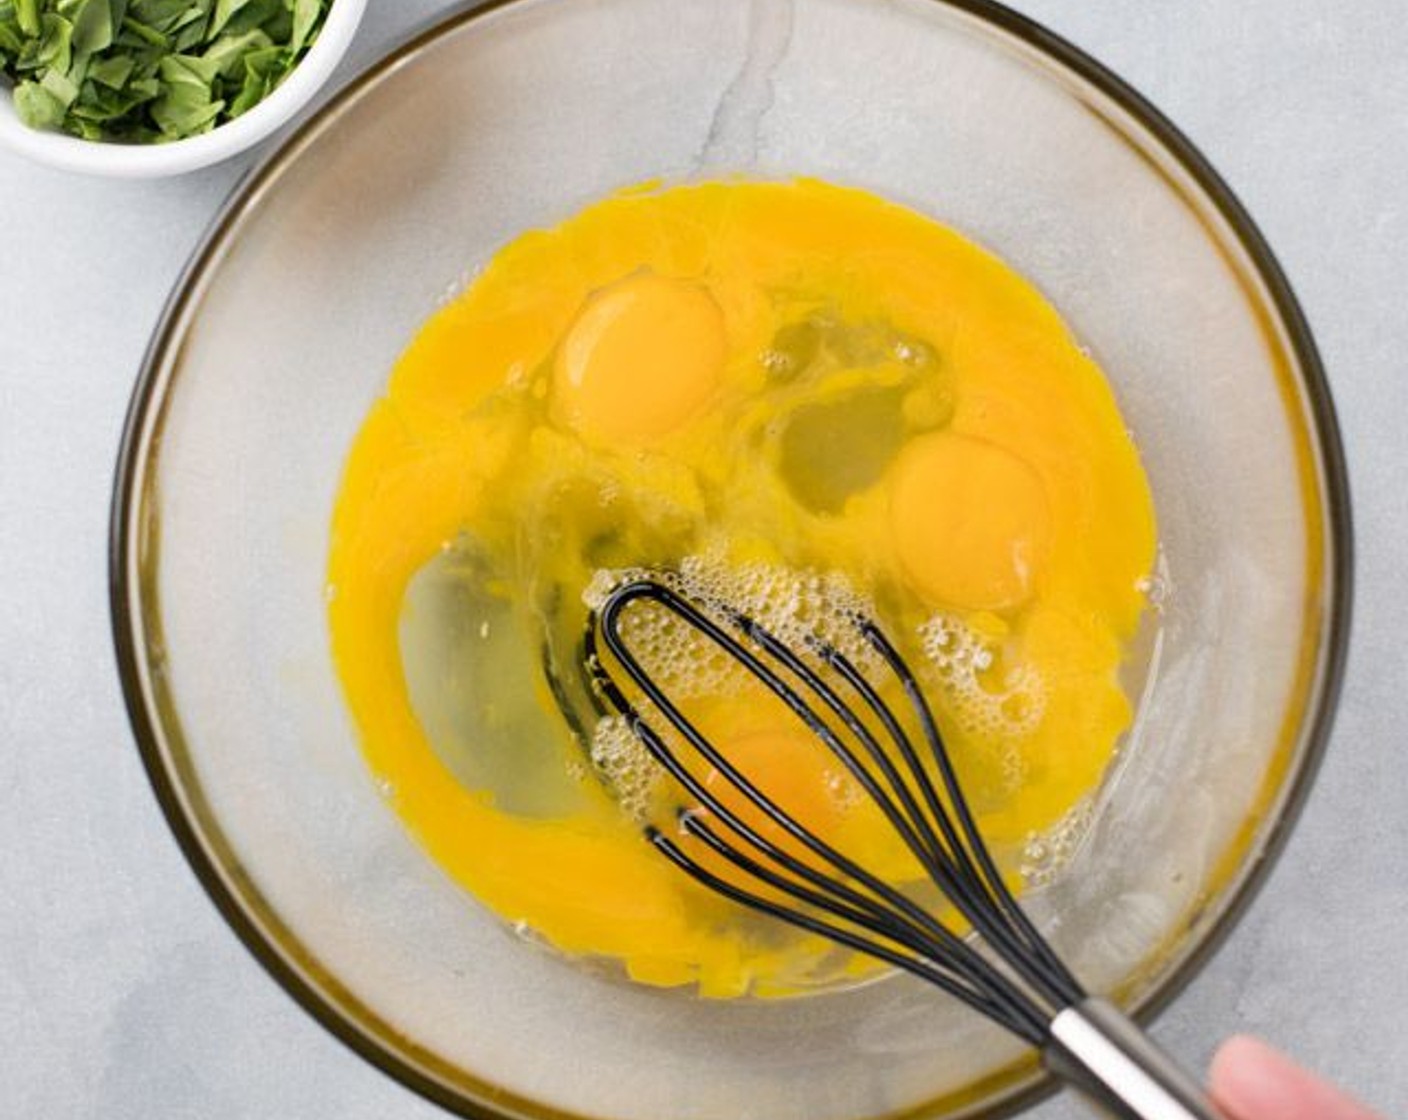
320	269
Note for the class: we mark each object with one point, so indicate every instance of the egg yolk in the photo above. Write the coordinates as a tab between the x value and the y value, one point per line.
792	771
812	787
640	359
791	388
970	522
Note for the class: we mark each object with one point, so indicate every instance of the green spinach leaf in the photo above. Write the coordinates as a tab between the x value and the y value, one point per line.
144	71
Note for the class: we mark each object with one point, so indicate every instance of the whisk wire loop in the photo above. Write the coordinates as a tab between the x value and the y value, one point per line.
954	857
884	894
1025	989
1065	989
915	829
700	743
907	817
958	864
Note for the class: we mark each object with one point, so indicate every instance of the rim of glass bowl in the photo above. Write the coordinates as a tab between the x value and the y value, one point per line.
136	622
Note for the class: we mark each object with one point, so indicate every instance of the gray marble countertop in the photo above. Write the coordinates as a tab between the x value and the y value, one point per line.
122	994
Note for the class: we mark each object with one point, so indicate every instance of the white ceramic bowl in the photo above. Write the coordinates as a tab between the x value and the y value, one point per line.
151	161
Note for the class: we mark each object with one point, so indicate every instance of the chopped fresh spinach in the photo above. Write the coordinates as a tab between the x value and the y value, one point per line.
148	71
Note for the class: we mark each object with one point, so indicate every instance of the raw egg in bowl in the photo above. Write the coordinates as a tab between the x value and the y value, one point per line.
971	336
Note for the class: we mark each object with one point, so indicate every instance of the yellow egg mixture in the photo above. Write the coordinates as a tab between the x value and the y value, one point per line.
803	397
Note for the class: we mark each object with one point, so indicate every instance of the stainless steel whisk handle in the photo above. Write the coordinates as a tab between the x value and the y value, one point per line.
1105	1054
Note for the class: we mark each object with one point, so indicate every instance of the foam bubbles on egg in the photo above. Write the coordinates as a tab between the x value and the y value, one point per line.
621	758
987	700
795	606
1044	854
964	661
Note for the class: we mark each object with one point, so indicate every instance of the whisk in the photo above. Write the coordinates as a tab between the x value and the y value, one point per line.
1020	984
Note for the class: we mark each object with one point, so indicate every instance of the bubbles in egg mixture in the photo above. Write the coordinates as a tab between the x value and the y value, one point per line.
793	605
1045	854
983	697
621	758
1001	705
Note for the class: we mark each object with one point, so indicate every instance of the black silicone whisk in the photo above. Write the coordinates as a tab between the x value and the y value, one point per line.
1003	968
